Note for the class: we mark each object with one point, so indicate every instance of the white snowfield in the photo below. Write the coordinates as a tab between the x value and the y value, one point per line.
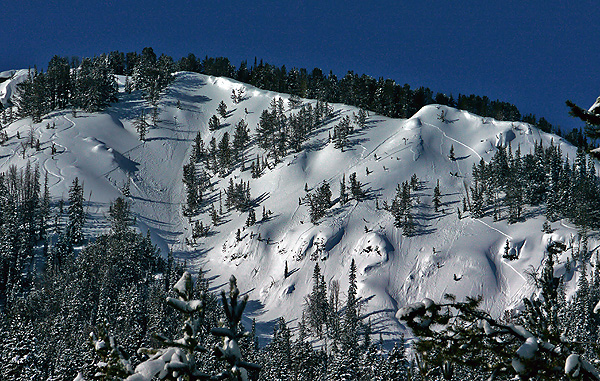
447	255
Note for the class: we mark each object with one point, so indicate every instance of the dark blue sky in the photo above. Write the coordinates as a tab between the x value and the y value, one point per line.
535	54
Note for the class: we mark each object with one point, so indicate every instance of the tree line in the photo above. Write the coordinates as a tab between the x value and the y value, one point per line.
88	84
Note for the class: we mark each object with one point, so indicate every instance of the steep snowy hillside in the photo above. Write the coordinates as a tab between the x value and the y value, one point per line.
446	255
8	83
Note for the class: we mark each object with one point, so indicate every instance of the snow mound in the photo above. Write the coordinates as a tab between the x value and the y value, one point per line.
371	251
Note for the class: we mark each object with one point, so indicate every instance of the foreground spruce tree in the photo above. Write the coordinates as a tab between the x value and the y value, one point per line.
178	357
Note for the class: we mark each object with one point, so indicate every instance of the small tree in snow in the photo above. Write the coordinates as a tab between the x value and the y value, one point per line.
451	154
214	123
141	126
222	109
437	195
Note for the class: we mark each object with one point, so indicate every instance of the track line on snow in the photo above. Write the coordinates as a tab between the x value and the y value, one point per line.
515	270
454	140
493	228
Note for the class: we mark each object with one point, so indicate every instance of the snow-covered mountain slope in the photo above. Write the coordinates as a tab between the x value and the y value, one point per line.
447	255
8	83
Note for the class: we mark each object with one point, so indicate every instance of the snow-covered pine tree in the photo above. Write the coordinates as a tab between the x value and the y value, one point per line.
222	109
178	357
76	212
141	126
193	189
251	220
214	123
224	155
120	216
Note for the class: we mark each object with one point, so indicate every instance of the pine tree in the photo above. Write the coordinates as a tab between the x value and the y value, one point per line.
198	151
120	216
341	132
343	194
183	362
224	155
214	123
240	139
193	189
141	126
214	216
319	202
316	306
451	154
361	118
355	187
437	197
251	220
76	212
222	109
396	363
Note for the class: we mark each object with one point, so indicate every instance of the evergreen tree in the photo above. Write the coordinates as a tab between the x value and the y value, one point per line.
59	82
437	197
224	155
94	85
152	75
32	96
222	109
355	187
193	189
591	117
120	216
316	306
343	194
251	220
214	123
319	202
76	212
198	151
341	132
396	363
141	126
240	139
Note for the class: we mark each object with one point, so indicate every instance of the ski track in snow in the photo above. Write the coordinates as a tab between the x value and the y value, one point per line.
493	228
454	140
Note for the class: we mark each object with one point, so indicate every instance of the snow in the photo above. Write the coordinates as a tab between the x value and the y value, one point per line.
8	88
460	257
595	108
572	366
153	367
183	284
528	349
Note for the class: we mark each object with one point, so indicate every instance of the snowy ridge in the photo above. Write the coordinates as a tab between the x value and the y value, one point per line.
447	255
